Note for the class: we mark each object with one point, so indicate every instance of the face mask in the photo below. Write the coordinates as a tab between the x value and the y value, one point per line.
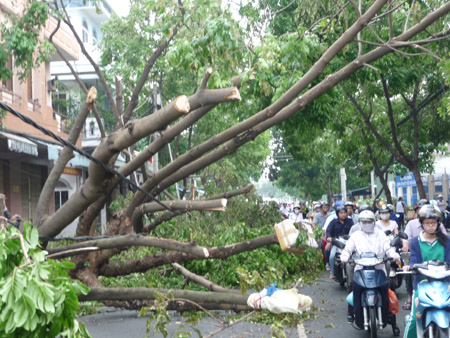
296	211
368	227
385	216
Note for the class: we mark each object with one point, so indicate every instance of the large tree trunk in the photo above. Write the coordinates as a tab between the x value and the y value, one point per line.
199	297
420	187
387	191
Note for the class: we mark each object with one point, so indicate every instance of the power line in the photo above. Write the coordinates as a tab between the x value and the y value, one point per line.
47	132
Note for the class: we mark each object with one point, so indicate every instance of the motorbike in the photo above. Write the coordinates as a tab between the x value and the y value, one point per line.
339	267
447	219
433	307
370	280
394	279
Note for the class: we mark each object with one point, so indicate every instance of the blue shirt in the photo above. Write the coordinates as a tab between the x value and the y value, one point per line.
336	228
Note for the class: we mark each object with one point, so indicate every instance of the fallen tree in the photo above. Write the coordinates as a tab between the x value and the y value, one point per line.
178	117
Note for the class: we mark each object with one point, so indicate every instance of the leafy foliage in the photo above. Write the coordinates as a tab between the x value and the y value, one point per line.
21	40
243	220
38	298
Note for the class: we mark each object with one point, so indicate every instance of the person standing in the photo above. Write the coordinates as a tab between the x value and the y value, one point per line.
400	208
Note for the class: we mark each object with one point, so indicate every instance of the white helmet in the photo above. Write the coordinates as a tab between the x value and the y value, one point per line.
367	221
366	215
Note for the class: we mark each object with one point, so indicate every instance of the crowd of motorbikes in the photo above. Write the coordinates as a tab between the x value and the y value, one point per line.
433	303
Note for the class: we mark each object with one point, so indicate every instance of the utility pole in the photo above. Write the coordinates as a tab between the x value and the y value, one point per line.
372	183
343	184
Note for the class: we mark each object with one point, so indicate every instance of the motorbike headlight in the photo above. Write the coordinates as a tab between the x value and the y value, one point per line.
369	261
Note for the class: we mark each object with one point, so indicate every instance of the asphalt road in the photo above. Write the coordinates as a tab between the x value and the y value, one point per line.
330	321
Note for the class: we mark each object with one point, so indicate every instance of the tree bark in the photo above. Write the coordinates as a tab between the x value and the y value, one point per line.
177	305
64	157
200	297
168	215
129	240
98	179
184	206
201	280
420	187
152	261
233	193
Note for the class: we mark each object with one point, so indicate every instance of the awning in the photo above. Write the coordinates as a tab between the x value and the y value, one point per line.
362	191
53	154
20	144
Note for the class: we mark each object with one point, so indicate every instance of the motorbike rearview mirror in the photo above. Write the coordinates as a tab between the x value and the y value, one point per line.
346	237
402	235
396	242
388	232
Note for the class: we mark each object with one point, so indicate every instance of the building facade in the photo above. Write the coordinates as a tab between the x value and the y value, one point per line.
25	161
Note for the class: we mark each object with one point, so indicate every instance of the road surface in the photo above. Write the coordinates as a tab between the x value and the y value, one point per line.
330	321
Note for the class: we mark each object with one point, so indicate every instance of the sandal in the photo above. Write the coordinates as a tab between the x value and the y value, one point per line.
407	305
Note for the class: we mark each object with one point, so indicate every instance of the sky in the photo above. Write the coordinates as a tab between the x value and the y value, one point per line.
121	7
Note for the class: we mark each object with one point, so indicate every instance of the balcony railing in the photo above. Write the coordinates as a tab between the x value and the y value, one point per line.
9	97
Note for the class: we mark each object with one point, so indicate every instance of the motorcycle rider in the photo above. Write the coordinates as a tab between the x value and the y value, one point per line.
321	216
385	221
297	215
431	243
338	227
413	229
370	239
351	212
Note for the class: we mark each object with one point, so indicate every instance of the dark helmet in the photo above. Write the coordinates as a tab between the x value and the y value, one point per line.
365	207
429	212
383	208
350	204
339	208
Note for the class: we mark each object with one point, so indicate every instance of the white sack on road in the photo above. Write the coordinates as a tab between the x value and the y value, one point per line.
281	301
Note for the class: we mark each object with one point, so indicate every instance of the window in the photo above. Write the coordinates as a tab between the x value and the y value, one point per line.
94	35
60	103
30	86
61	197
8	84
85	30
